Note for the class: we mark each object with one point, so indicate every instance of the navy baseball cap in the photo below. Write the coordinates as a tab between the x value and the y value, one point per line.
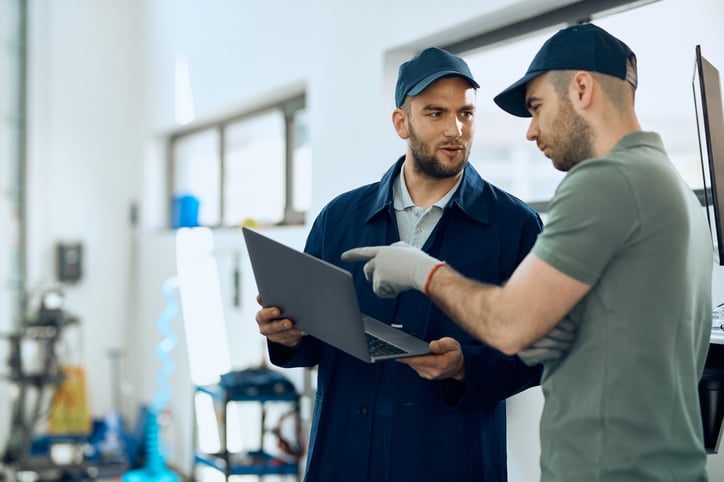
580	47
430	65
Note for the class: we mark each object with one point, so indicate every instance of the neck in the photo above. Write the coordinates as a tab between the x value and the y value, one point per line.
426	191
613	128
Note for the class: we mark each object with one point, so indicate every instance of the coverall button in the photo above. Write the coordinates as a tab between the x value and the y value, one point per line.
363	410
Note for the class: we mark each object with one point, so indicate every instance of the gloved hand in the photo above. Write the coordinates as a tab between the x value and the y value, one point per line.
393	269
552	345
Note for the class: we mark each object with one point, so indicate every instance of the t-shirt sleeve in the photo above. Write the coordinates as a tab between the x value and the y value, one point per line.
591	216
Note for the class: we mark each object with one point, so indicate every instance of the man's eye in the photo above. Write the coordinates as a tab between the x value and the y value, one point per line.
435	114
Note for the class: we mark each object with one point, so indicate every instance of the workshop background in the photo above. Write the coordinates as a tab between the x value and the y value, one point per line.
125	124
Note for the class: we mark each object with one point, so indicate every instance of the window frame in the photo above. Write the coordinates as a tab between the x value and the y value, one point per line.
288	107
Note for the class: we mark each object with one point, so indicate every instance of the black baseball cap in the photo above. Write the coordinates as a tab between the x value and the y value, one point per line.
430	65
580	47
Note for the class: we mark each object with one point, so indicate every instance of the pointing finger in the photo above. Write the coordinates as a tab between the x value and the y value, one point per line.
360	254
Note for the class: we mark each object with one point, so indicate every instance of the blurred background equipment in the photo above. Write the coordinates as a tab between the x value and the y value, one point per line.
52	436
68	261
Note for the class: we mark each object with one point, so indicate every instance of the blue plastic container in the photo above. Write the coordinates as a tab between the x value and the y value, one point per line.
185	211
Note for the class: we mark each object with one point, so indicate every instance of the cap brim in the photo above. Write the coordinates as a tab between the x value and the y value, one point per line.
426	81
512	99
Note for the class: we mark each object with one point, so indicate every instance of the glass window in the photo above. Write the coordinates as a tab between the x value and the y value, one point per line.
302	156
197	172
501	152
254	170
664	99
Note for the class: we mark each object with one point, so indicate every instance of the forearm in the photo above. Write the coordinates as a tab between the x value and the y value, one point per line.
510	318
475	306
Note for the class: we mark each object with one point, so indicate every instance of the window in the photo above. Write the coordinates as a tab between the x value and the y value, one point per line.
664	100
501	153
197	172
255	158
252	169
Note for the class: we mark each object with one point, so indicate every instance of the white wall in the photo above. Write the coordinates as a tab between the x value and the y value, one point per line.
102	97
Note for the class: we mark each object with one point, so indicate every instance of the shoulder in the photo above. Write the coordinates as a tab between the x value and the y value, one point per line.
506	200
358	198
484	200
597	174
349	208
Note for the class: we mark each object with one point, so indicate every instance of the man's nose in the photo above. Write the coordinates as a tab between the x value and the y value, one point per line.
454	128
532	132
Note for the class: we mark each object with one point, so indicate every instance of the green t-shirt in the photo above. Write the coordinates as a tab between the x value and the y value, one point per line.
622	403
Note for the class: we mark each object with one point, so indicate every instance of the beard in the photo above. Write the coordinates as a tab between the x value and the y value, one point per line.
572	142
425	162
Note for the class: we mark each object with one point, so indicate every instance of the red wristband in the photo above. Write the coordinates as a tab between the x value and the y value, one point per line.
429	276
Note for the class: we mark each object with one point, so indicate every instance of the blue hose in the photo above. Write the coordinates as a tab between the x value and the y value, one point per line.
167	343
155	469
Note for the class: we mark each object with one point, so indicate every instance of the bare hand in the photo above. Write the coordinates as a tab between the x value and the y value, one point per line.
277	330
446	361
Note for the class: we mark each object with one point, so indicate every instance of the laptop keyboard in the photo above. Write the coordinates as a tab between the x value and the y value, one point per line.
379	347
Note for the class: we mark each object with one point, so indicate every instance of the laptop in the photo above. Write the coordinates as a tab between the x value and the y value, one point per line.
321	300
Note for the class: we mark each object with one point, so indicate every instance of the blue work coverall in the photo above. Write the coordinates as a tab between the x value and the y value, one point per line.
383	422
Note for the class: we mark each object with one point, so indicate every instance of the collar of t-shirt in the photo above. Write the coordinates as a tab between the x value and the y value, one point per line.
415	223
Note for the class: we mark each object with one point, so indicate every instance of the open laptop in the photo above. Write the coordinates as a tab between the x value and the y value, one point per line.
321	300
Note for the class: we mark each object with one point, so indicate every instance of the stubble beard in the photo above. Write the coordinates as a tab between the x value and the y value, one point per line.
427	165
574	138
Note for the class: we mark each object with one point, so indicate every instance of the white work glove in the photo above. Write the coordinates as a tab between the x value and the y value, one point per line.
552	345
393	269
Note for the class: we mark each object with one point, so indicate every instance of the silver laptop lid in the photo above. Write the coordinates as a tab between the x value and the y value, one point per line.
318	296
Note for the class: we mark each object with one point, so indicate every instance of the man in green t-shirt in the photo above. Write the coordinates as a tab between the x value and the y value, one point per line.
625	256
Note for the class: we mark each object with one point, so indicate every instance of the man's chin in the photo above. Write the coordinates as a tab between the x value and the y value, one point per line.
561	166
443	169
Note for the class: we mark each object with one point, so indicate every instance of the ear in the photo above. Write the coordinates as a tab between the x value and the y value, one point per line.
581	89
399	121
